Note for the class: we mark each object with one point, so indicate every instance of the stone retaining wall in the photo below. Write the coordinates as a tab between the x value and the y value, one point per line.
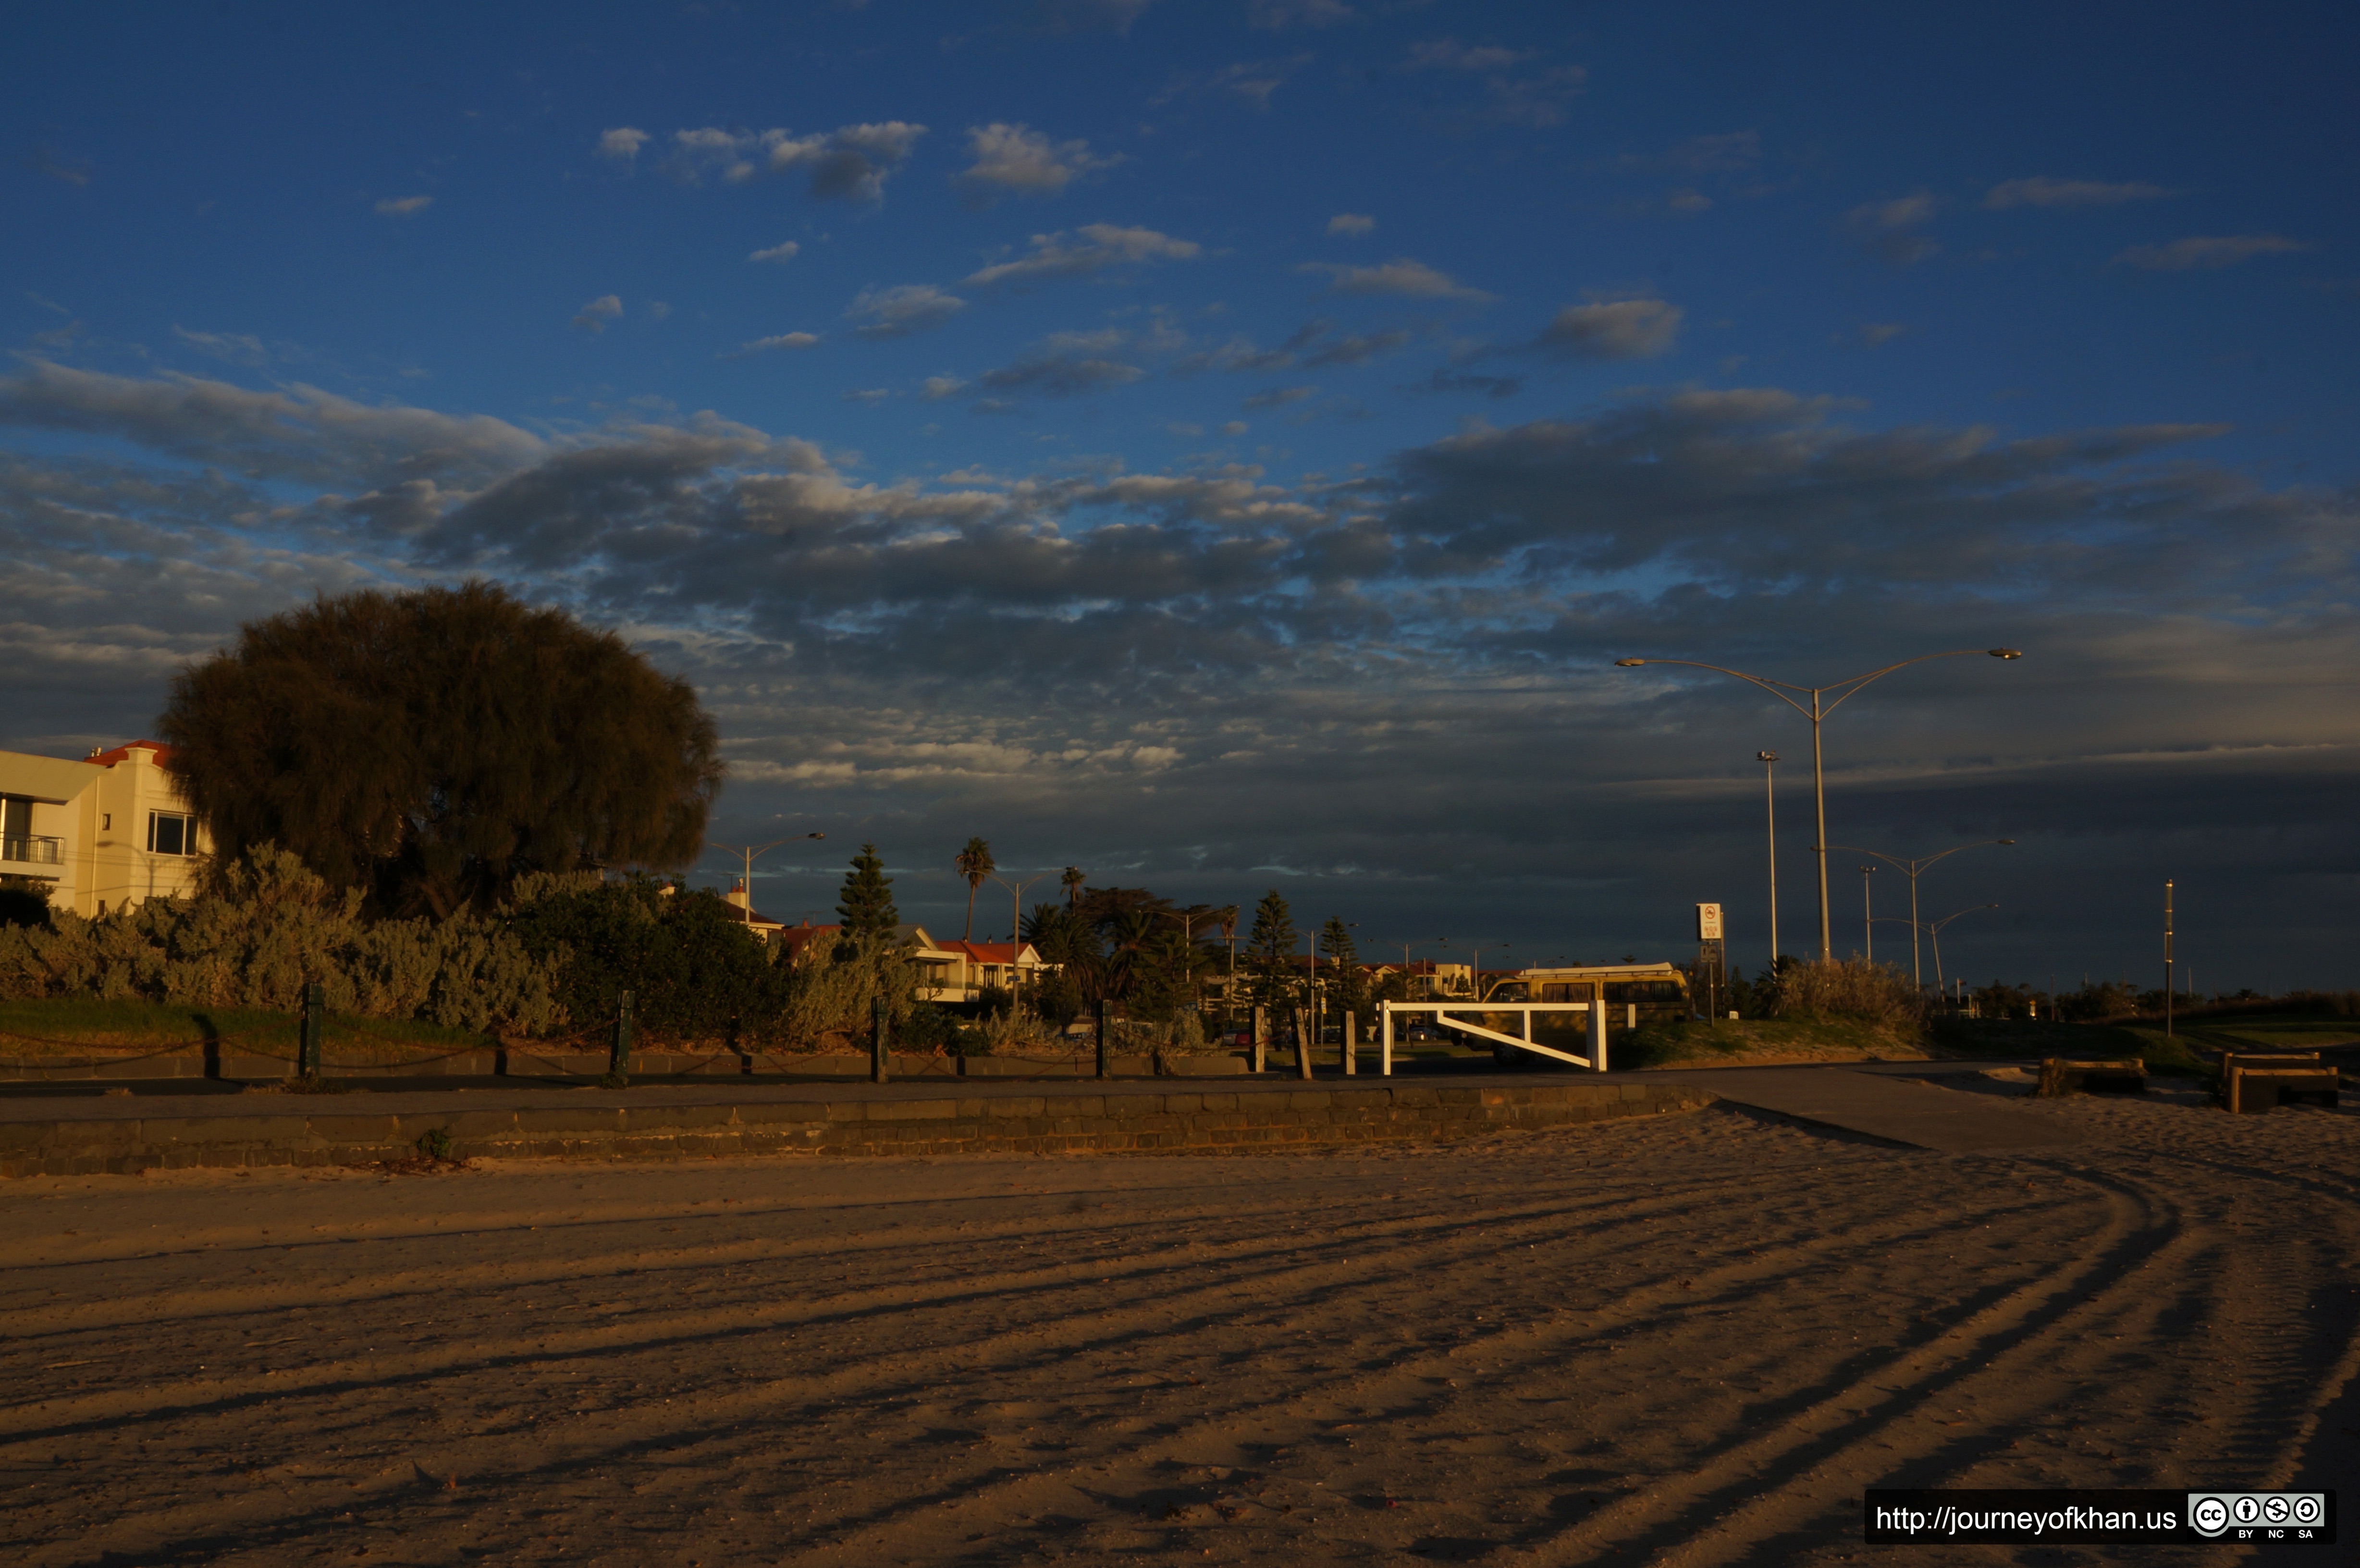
204	1062
1033	1124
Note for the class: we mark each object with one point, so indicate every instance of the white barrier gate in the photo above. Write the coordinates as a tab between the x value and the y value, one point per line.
1595	1061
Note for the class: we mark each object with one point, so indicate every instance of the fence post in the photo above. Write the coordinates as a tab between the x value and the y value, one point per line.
1261	1037
1302	1042
308	1051
880	1041
1106	1058
1598	1036
1351	1044
1385	1039
618	1057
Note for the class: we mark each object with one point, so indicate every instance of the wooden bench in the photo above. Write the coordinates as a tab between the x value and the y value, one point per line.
2253	1082
2061	1075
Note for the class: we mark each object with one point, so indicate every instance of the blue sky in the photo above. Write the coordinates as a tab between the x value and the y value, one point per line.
1226	444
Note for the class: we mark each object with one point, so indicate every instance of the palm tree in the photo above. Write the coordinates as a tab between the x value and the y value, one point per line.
975	863
1072	879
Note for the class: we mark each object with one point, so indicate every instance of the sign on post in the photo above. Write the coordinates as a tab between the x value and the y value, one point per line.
1707	922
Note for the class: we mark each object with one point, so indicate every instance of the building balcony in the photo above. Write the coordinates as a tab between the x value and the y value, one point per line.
30	850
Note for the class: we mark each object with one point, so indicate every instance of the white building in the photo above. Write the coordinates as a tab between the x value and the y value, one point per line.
102	834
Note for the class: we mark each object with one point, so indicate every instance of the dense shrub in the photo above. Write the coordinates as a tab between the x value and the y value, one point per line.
272	927
1849	988
693	969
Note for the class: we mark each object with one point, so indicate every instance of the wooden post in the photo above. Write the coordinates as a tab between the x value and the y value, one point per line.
1386	1040
1106	1057
1598	1036
1261	1037
1303	1017
880	1041
307	1038
619	1054
1351	1043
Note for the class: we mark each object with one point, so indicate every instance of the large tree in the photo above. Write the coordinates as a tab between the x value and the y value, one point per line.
1272	946
975	863
865	903
430	746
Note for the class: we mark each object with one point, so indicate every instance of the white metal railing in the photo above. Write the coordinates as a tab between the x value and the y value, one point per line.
1440	1011
32	850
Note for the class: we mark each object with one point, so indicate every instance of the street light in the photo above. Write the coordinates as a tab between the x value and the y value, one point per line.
753	851
1935	930
1819	710
1769	760
1867	916
1910	868
1016	919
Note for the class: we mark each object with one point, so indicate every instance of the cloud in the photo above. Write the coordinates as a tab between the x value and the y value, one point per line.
1888	230
937	388
1308	645
1351	224
404	206
1277	16
867	395
783	341
1614	329
1055	17
237	348
46	159
1099	248
850	163
1234	428
1411	280
898	311
1068	365
783	252
2205	253
1447	380
622	143
1876	334
594	317
1534	100
1686	201
1279	396
2042	191
1251	80
1728	152
658	310
1315	344
1014	160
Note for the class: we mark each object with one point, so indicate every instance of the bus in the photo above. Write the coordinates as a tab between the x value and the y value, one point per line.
1632	994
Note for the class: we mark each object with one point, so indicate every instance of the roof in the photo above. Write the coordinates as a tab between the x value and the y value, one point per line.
988	951
123	753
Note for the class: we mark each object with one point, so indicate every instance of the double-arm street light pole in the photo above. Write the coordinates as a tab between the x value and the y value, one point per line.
1910	868
750	851
1769	760
1825	699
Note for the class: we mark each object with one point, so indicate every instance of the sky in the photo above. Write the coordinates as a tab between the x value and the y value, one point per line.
1226	446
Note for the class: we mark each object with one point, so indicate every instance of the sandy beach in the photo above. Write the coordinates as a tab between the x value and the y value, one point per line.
1693	1338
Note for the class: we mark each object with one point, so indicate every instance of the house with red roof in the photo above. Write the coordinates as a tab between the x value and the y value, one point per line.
102	834
947	971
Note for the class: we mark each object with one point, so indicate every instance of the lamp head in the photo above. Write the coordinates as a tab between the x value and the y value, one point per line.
2007	653
2005	840
1766	757
1628	663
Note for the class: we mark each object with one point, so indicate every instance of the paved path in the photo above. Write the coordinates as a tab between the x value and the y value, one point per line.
1878	1101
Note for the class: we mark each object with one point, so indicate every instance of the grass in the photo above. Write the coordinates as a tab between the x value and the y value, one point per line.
76	1025
1699	1042
2024	1037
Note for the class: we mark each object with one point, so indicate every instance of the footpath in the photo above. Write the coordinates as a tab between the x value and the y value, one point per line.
168	1126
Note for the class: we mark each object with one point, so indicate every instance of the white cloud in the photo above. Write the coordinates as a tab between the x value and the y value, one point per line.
659	309
849	163
1252	80
1401	276
594	317
1449	54
404	206
237	348
2208	252
783	341
1016	159
622	143
1353	223
934	388
867	395
786	252
1614	329
907	308
1276	15
1687	200
1876	334
1235	428
2042	191
1101	246
1279	396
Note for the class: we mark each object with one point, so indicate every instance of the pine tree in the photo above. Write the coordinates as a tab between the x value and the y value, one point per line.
1272	945
866	902
1345	983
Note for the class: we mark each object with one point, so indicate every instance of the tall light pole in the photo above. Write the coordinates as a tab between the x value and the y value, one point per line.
1867	916
1769	760
1821	706
1935	930
1910	868
1016	919
750	851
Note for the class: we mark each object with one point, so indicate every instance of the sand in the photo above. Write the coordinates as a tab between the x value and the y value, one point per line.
1692	1339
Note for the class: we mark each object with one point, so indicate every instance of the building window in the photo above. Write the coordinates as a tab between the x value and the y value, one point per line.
171	834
